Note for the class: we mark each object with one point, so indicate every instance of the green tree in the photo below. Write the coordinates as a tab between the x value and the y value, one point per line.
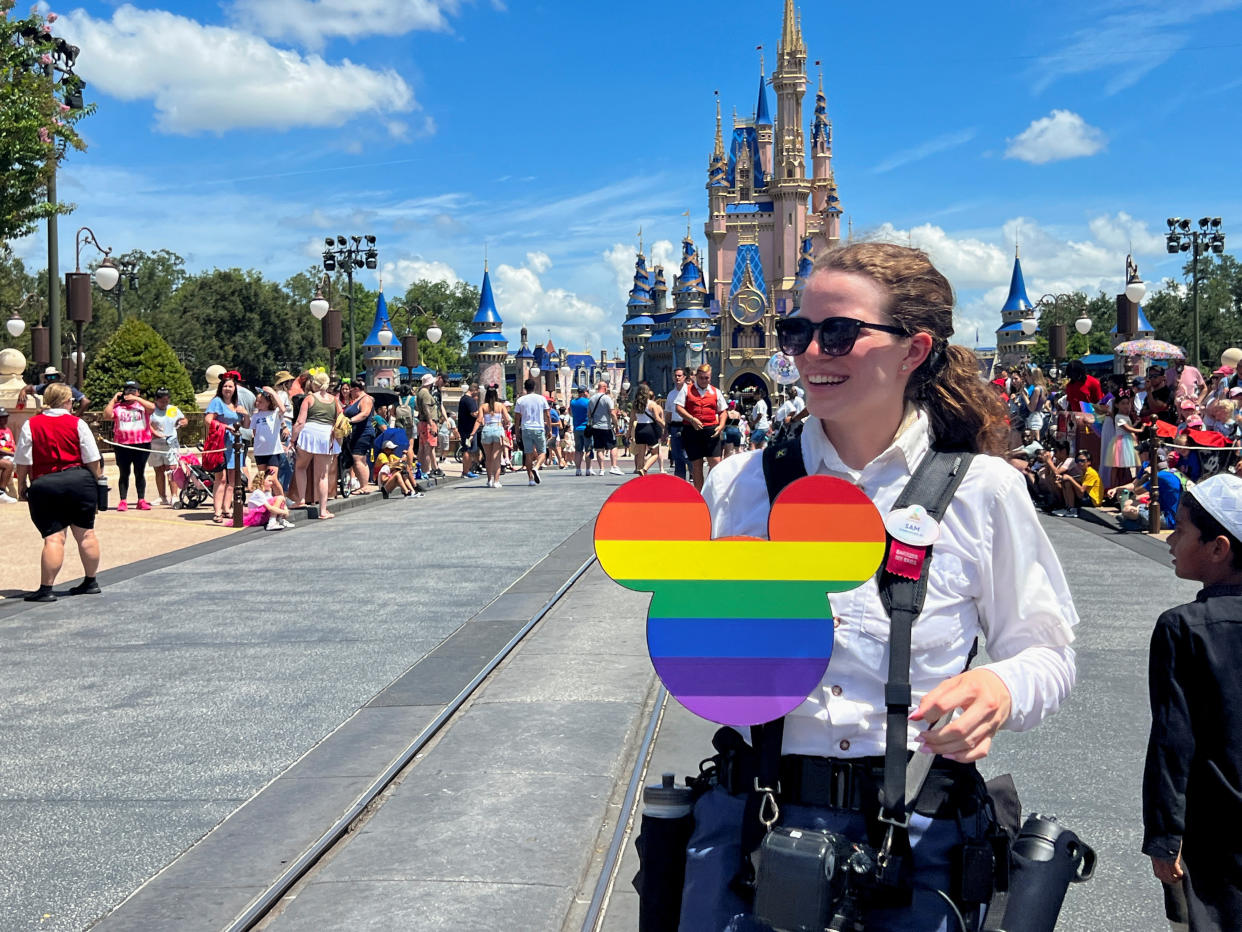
15	284
1102	309
37	118
159	275
1171	308
135	351
241	321
452	306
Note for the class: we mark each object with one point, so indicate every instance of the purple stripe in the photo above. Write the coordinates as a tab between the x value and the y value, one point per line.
740	676
741	710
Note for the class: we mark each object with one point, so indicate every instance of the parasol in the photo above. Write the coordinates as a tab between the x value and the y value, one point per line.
1151	349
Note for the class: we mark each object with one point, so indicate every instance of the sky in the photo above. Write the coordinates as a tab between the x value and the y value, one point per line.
545	133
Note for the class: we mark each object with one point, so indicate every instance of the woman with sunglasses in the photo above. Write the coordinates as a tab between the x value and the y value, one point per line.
883	387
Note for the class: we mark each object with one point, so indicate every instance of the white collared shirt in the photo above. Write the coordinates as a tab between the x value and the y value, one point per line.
993	573
676	396
25	441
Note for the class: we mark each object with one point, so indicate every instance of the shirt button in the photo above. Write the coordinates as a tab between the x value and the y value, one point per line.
836	621
836	690
844	745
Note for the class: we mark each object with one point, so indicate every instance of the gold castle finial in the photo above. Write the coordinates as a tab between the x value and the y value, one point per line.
485	258
640	241
686	213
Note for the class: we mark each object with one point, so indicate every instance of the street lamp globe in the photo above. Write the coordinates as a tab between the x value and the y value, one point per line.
1083	325
1136	291
534	371
319	306
434	333
15	325
625	385
1029	325
107	275
385	335
77	357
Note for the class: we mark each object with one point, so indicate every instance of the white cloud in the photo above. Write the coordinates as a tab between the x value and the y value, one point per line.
539	261
311	22
1060	135
620	259
401	274
523	301
214	79
929	148
664	252
979	266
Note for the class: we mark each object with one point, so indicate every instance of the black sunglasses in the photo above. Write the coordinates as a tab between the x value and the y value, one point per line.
836	334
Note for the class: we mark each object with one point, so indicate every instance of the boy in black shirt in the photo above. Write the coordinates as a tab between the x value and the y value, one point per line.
1192	784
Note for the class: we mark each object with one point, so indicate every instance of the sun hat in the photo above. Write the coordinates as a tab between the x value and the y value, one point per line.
428	379
283	376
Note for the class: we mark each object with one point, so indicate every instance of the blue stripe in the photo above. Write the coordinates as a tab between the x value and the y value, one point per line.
739	637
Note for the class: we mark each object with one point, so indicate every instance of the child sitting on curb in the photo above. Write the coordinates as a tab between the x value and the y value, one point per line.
1192	783
266	504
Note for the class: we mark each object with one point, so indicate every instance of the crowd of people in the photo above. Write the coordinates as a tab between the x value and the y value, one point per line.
1085	441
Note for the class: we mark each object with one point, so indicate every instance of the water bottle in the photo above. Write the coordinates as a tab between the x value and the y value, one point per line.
667	823
101	493
1044	860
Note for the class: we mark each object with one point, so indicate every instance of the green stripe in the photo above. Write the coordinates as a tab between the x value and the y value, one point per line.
741	598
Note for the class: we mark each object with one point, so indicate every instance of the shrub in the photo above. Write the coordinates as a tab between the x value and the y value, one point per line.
135	351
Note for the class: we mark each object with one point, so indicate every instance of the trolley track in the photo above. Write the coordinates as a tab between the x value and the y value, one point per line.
335	837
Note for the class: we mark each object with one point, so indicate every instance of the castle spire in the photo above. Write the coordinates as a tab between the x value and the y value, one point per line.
761	105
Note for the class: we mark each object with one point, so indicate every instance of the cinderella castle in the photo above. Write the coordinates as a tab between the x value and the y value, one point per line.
767	219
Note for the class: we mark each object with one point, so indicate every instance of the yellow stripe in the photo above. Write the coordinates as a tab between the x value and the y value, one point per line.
739	559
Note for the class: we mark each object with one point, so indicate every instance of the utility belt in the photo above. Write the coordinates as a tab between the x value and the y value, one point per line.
849	784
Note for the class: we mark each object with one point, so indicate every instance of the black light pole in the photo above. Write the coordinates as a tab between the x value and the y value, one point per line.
330	321
128	280
78	286
349	254
1181	238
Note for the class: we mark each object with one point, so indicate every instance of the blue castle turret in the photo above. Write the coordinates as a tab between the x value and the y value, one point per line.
1013	346
488	347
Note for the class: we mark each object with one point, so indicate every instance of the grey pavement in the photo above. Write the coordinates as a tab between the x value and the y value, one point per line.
135	722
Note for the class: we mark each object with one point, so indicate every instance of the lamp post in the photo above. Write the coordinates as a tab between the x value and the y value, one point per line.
1057	343
1181	238
128	277
61	57
330	320
78	288
411	356
348	255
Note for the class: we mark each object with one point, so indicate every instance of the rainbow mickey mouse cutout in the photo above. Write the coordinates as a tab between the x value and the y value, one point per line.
739	629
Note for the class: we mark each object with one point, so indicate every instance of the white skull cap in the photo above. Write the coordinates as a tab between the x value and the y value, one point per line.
1221	496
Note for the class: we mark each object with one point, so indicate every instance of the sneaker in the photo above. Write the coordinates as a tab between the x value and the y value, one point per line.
85	588
286	523
537	479
578	471
122	506
419	494
615	471
496	484
7	499
144	505
274	525
470	475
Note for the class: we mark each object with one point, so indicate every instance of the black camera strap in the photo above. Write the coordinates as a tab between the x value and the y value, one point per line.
932	486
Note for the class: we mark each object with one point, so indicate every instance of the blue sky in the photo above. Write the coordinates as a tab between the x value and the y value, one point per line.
241	132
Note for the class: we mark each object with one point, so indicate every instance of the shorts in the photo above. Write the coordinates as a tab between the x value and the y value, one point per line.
733	435
493	434
268	459
427	436
647	434
758	436
534	441
700	444
63	499
603	439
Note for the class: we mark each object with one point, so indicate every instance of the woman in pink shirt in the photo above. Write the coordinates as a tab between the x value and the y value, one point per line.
131	436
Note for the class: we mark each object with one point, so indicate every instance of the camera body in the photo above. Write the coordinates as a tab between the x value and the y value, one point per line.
809	880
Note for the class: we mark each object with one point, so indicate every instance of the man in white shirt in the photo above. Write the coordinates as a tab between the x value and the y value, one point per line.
675	397
759	424
533	426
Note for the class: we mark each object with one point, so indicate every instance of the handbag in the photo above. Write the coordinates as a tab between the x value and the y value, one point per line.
342	428
213	446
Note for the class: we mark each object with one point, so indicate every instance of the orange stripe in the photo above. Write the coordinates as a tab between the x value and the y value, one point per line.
826	522
652	521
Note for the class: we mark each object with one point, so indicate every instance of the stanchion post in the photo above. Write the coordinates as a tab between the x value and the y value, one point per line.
1153	484
239	494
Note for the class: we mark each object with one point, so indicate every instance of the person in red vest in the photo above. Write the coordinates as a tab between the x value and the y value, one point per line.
702	412
58	464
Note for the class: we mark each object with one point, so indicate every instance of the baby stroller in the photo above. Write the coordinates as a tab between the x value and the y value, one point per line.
193	481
